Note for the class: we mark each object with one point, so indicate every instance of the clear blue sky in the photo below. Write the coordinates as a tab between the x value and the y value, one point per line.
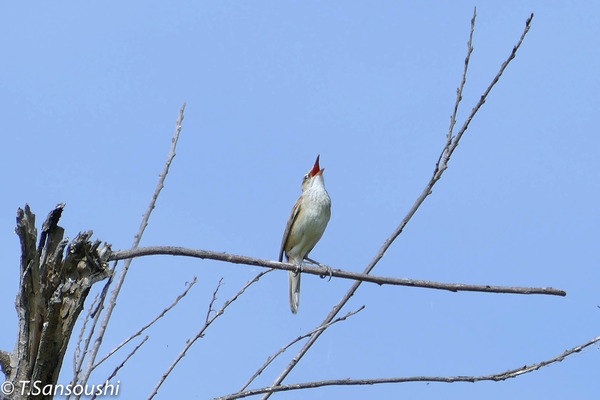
89	95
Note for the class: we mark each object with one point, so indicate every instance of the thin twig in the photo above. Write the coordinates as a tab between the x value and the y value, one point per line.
95	315
78	355
450	379
118	367
290	344
212	302
327	271
138	333
459	91
482	100
136	241
208	322
448	150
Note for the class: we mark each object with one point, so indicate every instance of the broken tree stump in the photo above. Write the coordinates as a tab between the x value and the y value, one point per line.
56	277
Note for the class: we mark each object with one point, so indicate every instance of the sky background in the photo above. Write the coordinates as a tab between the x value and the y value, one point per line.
89	96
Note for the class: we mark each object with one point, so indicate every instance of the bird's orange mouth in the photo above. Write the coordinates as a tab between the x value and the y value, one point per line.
316	169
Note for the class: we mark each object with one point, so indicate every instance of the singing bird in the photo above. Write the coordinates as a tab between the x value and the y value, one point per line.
305	227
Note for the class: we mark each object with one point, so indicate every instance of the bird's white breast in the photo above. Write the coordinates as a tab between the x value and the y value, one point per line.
311	221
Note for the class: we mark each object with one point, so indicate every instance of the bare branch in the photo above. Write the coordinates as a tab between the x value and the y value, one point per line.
212	302
118	367
136	241
290	344
324	270
95	315
78	354
450	379
449	148
482	100
459	91
208	322
138	333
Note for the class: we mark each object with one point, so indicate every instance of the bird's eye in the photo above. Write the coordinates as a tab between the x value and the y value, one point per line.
306	177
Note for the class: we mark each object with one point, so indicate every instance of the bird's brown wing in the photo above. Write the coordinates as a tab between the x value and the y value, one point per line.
288	228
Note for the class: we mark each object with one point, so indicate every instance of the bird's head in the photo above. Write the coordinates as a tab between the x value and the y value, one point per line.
310	177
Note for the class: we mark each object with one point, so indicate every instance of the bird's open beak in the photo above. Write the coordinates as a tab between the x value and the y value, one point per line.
316	170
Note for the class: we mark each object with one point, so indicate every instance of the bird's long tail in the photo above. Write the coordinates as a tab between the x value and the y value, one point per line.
294	291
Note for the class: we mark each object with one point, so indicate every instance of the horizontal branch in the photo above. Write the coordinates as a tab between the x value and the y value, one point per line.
443	379
325	271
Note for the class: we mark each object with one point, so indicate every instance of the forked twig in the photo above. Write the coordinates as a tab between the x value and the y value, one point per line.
208	322
290	344
212	302
441	166
454	143
139	332
459	91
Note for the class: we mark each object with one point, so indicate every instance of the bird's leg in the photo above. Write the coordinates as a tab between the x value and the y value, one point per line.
298	267
327	267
